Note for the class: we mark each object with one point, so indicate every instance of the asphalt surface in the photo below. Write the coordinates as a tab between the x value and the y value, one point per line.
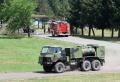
112	58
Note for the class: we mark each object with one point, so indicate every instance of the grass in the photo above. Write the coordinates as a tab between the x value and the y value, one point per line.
98	35
20	54
98	32
113	77
114	39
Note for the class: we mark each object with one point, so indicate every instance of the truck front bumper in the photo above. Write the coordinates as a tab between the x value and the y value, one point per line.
45	61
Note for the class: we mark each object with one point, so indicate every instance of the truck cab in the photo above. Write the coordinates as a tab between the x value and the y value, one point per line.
49	56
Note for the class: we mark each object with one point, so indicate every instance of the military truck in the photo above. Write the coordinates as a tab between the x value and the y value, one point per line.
85	58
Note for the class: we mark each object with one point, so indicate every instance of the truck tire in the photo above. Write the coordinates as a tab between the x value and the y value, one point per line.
86	65
96	65
47	68
59	67
66	35
53	35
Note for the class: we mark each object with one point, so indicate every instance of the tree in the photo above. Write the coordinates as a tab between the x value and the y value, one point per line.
59	7
1	1
1	11
116	17
18	14
89	9
75	14
106	15
43	7
83	14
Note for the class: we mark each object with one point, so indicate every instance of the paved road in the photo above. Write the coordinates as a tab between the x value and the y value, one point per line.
31	75
112	64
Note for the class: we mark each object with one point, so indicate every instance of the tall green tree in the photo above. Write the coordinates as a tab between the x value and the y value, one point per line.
43	7
59	7
116	17
83	13
1	1
75	14
18	14
106	13
93	13
1	11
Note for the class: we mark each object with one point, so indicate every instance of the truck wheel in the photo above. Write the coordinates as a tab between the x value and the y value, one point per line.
86	65
53	35
66	35
47	68
59	67
96	65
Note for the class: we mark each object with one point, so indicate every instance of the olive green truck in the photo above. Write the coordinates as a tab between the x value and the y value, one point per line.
84	58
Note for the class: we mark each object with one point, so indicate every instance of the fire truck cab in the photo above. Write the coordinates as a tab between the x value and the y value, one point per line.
60	28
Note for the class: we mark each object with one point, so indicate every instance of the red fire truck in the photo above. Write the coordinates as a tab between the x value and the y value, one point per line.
60	28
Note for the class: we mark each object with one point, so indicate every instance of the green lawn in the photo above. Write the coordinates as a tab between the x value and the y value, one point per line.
21	54
76	78
98	32
107	35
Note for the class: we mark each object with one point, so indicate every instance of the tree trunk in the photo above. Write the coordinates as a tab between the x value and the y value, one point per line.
38	24
93	32
103	33
28	31
76	30
112	34
18	31
71	29
89	34
44	28
119	33
82	30
42	24
1	23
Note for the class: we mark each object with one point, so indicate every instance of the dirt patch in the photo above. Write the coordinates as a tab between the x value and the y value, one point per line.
112	58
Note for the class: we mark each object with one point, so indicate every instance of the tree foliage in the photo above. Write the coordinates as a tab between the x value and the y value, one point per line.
18	14
59	7
43	7
101	14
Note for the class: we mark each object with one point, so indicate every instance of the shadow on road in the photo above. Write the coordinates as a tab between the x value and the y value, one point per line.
57	36
42	72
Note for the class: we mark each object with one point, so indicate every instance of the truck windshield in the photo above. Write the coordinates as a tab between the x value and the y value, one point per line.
50	50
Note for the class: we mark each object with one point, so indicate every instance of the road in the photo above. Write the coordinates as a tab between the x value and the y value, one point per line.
112	64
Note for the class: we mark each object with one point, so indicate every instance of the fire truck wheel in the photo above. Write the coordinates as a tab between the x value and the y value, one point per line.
96	65
86	65
59	67
53	35
66	35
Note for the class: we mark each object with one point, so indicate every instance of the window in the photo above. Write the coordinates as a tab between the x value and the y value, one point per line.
51	50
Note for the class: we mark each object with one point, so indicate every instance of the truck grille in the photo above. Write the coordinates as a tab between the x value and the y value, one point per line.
46	59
